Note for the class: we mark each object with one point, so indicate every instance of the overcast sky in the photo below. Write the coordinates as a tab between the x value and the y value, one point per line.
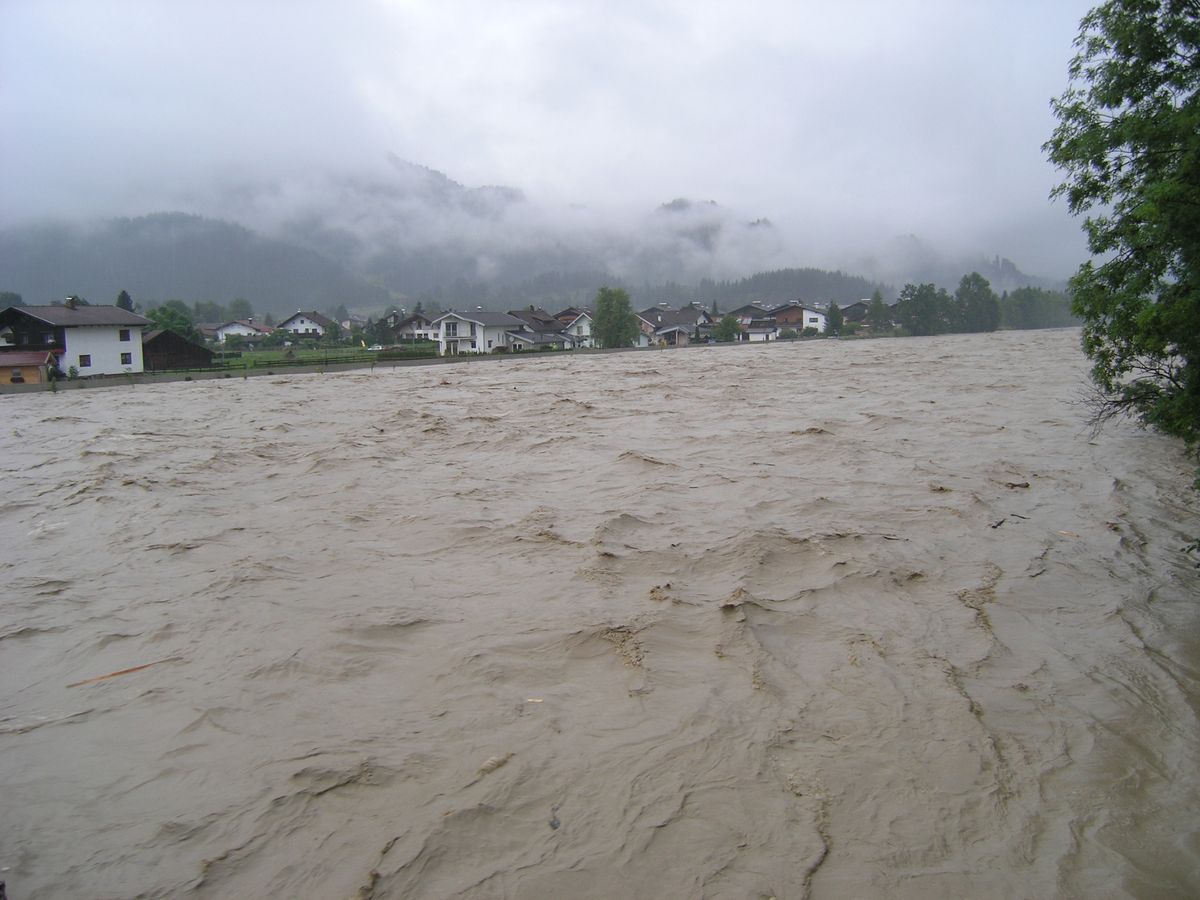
854	118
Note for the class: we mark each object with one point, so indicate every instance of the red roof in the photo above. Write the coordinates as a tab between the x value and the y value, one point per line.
25	358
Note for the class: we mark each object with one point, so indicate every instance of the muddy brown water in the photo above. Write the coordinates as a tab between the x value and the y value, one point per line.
857	619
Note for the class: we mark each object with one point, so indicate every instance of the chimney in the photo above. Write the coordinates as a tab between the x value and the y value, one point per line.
72	302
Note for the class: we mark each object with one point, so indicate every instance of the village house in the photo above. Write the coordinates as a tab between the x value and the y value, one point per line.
571	313
475	332
94	340
799	316
580	329
755	323
309	324
246	328
537	340
537	319
416	327
857	312
674	327
543	330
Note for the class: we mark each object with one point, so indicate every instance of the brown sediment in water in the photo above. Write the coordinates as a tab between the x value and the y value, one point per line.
821	619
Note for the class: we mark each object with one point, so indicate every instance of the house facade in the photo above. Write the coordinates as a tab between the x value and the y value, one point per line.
94	340
416	327
309	324
476	332
579	330
242	328
799	316
663	325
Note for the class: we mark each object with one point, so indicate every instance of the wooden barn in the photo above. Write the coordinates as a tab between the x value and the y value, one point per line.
163	349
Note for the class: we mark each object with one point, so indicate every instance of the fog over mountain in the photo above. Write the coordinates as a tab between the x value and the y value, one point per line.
412	146
412	233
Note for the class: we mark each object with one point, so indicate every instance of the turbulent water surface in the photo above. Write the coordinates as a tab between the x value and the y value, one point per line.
859	619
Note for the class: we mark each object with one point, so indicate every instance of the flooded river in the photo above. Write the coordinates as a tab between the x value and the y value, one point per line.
827	619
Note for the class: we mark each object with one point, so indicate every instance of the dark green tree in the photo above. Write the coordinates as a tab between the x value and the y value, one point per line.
269	320
8	298
209	311
727	329
978	305
1031	307
124	301
879	317
175	316
833	318
614	324
240	309
1128	143
924	309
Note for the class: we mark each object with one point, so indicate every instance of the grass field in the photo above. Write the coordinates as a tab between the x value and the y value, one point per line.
295	356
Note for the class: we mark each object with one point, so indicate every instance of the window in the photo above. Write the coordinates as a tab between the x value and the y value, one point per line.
451	329
85	360
489	345
48	337
472	345
123	334
127	359
812	320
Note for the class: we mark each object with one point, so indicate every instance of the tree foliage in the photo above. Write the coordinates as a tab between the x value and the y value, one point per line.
614	324
928	309
833	318
727	328
925	309
879	317
175	316
978	305
240	309
124	301
1128	143
1031	307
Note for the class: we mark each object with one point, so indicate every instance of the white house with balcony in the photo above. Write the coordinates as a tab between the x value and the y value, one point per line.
94	340
579	330
474	332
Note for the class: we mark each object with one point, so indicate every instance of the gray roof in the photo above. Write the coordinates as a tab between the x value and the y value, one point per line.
689	316
537	319
540	337
487	318
324	321
66	317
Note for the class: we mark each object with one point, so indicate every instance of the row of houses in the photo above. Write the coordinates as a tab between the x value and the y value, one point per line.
107	340
303	325
483	331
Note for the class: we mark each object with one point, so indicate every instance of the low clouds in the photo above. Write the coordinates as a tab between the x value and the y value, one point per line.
842	125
